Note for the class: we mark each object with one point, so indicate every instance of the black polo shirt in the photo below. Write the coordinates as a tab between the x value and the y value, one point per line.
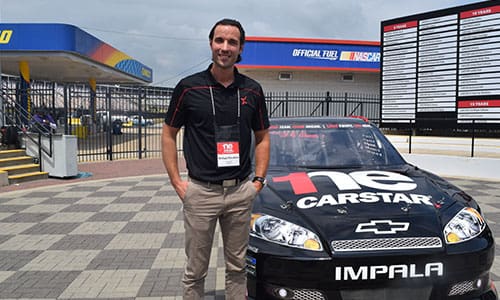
191	107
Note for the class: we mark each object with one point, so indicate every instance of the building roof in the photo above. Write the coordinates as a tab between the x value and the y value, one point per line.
66	53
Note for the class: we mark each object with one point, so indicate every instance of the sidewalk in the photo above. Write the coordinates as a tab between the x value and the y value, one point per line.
100	170
454	146
451	156
118	234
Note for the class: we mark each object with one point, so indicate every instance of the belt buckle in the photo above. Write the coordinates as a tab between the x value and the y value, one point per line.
229	182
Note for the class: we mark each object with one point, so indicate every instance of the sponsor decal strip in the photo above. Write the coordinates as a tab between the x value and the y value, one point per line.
392	186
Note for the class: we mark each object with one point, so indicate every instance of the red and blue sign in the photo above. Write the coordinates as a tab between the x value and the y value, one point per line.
311	54
71	39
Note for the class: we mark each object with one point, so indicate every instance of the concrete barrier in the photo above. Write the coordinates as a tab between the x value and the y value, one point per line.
4	178
454	146
457	166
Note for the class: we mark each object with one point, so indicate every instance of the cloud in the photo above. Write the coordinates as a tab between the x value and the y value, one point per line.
172	36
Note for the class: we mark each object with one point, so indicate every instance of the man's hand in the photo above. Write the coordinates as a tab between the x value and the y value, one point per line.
258	186
180	188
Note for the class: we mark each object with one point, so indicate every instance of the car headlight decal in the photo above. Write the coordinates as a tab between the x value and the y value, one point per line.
465	225
282	232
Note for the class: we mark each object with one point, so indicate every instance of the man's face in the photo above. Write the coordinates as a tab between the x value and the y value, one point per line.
226	46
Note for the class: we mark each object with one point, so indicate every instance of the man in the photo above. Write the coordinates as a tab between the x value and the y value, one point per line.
219	109
43	122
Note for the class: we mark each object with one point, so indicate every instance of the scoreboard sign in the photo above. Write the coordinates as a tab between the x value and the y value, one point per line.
442	67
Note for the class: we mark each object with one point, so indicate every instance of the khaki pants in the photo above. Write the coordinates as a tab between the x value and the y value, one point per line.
204	205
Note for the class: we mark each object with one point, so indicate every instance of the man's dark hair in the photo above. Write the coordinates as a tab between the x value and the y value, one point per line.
230	22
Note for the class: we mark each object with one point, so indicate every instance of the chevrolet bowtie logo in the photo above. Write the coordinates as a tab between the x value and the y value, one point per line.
383	227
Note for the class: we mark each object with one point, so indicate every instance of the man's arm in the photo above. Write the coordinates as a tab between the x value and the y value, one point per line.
170	161
52	122
36	119
262	146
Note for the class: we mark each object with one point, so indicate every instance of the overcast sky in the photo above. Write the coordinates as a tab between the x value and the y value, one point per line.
171	36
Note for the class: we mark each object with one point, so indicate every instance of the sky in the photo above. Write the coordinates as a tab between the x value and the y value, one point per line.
171	36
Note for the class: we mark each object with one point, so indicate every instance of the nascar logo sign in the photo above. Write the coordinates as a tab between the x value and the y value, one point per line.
360	56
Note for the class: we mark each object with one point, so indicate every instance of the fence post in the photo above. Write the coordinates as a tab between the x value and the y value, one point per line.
53	104
66	110
409	137
109	137
139	122
328	99
270	105
345	105
286	104
473	138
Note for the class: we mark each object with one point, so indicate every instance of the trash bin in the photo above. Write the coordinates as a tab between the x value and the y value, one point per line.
63	162
117	127
80	131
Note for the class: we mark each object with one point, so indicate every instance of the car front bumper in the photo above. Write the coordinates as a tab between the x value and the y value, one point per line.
408	276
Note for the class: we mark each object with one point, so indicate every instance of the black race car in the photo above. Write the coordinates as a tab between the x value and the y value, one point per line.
343	216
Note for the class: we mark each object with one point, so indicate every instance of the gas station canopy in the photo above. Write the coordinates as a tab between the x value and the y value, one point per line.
65	53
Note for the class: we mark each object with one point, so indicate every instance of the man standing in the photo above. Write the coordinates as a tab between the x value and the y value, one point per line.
220	109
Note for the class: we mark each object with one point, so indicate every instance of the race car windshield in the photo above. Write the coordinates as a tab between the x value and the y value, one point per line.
330	147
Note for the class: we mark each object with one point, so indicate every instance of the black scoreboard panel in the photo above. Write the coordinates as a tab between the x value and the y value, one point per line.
442	68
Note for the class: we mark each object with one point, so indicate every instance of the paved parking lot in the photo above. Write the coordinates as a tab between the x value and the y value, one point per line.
118	238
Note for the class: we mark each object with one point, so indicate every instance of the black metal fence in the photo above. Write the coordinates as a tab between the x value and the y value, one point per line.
125	122
285	104
114	123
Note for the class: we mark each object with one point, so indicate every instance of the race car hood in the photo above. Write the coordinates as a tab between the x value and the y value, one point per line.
372	203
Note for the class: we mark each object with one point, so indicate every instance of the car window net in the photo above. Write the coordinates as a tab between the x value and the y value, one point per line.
329	148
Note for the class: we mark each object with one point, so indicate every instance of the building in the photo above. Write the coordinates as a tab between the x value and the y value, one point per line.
302	65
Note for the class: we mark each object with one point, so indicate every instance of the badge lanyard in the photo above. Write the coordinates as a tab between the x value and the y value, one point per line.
227	138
